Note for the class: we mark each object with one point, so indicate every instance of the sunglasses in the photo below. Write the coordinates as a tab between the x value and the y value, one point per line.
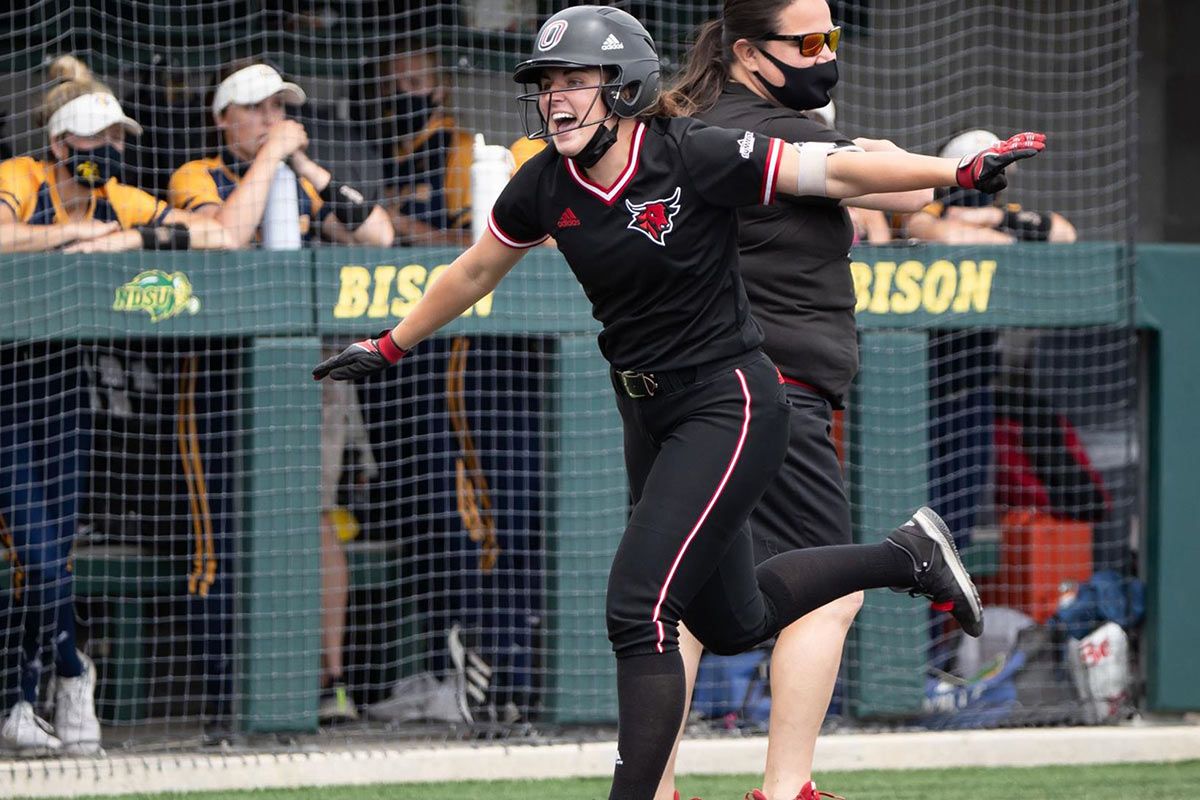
810	44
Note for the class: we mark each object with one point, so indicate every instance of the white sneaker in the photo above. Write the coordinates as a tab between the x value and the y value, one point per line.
75	712
28	734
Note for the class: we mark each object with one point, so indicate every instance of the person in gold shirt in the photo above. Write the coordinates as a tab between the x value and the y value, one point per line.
426	155
232	187
962	216
75	199
524	149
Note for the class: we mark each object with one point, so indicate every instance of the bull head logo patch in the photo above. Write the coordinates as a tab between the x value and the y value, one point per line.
655	218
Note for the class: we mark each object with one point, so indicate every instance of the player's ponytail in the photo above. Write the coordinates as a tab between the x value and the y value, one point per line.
72	79
707	70
69	68
703	77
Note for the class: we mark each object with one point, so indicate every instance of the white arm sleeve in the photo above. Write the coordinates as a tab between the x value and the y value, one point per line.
811	177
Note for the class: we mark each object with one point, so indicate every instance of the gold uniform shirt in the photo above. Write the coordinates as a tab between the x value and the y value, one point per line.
430	175
210	181
524	149
27	186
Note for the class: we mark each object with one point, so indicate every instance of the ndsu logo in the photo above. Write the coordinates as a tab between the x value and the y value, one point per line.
160	294
655	218
552	34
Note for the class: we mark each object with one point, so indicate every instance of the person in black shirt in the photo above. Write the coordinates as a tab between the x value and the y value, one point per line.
643	207
759	67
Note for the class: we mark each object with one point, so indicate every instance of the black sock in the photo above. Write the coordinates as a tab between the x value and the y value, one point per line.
800	581
650	692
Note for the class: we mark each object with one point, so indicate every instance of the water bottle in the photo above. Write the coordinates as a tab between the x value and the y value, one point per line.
281	219
492	166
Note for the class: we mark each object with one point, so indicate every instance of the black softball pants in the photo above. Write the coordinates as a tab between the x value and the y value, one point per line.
699	459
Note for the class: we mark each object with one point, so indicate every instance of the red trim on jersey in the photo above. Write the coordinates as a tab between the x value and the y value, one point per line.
737	453
609	195
507	240
771	173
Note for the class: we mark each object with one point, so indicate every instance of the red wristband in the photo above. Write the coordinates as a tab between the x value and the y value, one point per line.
962	174
389	349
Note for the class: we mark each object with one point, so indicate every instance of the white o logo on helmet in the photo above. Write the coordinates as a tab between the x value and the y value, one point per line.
552	34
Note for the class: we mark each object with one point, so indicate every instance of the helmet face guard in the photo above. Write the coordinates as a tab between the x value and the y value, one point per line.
537	126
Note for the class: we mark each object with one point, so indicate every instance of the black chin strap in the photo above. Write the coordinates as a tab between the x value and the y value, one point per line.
604	138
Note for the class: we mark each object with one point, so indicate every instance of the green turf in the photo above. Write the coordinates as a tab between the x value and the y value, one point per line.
1178	781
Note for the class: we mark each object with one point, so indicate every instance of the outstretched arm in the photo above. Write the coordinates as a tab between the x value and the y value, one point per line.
805	170
470	278
899	202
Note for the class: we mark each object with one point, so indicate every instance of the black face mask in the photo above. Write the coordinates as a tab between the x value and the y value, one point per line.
93	168
604	138
804	88
402	115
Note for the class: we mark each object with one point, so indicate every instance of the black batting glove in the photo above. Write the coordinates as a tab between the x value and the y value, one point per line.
361	359
985	170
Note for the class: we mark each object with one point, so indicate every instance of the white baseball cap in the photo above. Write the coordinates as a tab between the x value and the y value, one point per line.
90	114
968	142
253	85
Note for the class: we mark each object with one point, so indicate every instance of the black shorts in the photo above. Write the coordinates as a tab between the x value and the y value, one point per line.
805	505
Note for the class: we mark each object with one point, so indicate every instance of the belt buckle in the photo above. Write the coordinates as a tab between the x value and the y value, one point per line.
638	384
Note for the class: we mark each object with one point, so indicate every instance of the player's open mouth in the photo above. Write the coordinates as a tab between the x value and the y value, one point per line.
563	121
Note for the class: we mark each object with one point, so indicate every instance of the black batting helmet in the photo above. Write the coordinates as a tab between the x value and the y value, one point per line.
599	36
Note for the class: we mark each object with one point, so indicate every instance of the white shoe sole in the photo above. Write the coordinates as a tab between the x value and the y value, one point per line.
36	752
935	528
83	749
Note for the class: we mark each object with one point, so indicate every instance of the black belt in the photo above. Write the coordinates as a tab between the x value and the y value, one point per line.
640	385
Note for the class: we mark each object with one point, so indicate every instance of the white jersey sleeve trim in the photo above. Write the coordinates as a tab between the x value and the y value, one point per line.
771	172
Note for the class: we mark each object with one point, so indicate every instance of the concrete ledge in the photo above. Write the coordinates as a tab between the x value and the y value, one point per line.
846	752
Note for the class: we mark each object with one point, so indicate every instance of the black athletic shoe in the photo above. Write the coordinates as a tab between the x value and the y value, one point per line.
938	572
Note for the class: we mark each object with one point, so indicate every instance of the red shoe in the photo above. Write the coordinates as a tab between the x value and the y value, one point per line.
807	792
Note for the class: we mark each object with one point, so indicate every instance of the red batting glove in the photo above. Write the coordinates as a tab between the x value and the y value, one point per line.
361	359
985	170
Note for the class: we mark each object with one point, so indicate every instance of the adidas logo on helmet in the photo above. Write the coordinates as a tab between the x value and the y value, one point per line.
612	43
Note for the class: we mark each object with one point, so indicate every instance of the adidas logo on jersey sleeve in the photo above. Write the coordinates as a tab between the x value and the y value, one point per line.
612	43
746	145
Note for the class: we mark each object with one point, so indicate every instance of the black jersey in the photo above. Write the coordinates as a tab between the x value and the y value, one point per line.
656	252
795	258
